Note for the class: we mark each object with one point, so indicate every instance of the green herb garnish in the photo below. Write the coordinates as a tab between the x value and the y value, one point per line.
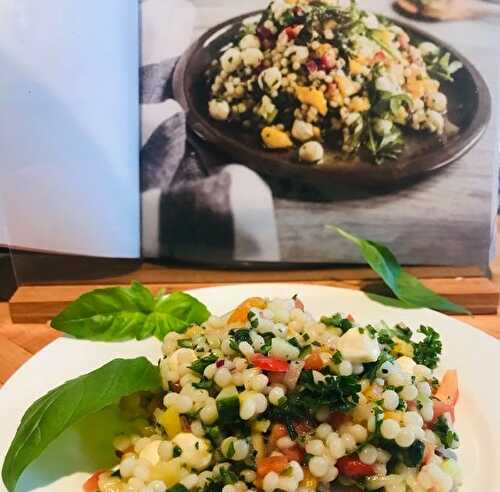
64	406
405	287
200	365
446	435
125	313
428	351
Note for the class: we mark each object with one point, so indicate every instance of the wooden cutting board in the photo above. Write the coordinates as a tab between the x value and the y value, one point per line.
464	286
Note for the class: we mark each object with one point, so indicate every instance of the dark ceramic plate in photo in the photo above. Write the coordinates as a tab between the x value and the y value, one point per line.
468	114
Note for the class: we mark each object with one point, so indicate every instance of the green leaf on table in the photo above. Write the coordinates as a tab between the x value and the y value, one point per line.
124	313
405	287
69	403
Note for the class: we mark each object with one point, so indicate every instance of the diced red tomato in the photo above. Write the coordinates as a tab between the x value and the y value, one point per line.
299	304
278	431
336	419
295	453
327	61
378	57
448	389
276	378
271	364
312	66
440	408
271	463
303	427
92	484
446	396
350	317
331	90
314	362
292	31
428	453
353	467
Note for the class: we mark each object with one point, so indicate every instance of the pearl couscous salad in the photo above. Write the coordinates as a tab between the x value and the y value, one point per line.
311	74
267	398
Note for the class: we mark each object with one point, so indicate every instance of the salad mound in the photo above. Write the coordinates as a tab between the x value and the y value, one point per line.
266	398
311	73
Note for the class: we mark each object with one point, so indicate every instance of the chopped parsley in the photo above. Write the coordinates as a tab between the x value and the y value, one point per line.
217	483
205	384
446	435
230	450
386	334
200	365
372	368
337	393
178	488
337	321
177	451
428	351
337	358
253	319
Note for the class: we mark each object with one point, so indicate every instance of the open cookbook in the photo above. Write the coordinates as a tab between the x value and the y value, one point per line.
237	131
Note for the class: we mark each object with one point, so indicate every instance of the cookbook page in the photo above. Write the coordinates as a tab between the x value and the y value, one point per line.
68	126
237	169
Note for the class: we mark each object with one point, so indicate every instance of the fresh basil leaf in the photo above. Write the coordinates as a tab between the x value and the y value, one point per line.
67	404
124	313
405	287
182	306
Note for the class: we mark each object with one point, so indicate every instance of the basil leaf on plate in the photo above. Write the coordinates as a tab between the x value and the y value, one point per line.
67	404
124	313
405	287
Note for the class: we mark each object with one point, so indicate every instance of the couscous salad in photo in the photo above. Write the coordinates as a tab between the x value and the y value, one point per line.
267	398
313	75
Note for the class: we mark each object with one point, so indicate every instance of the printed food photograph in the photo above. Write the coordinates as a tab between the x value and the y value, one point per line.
332	113
258	389
332	87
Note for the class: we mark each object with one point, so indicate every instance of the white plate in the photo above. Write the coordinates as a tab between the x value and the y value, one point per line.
474	354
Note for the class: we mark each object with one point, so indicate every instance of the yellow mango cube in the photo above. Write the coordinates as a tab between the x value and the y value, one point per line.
355	67
403	348
309	481
416	88
359	104
346	87
168	472
323	49
430	86
240	314
373	392
397	416
384	36
275	139
171	422
258	444
313	97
